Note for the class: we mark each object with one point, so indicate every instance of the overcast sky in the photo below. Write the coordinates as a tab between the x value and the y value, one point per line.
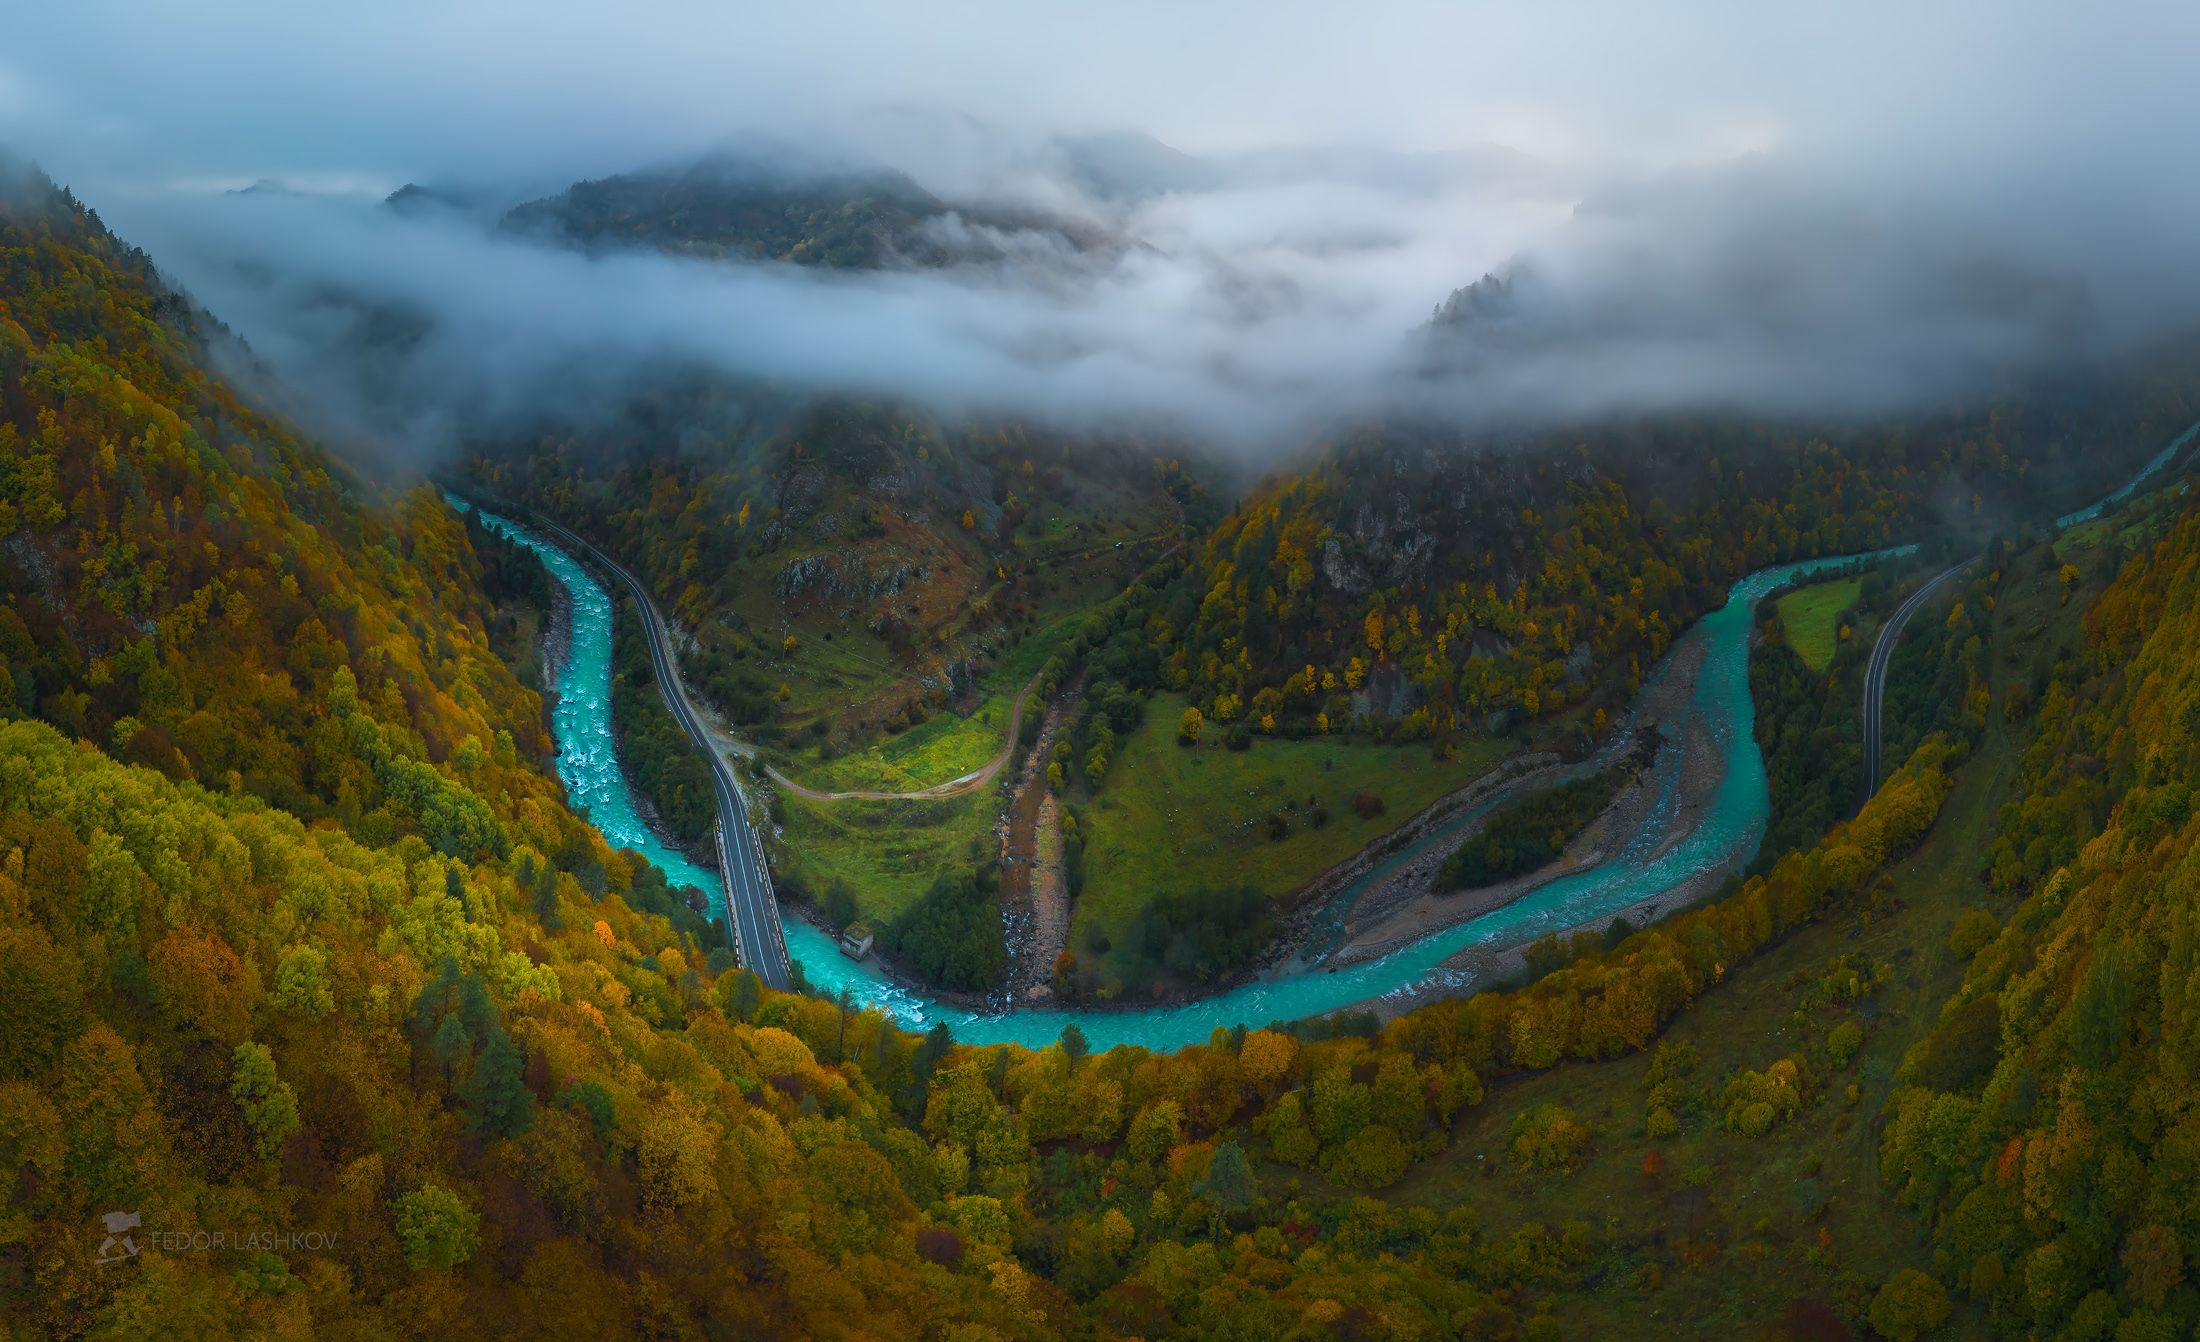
404	89
1789	206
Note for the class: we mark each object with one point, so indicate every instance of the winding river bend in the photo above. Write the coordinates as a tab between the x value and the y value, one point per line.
1644	866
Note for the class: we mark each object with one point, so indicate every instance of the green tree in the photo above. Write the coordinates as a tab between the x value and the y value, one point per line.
1290	1140
343	692
111	881
938	1042
2101	1014
1909	1306
888	1066
546	898
1229	1181
269	1104
452	1042
437	1229
1548	1137
1158	1127
592	1099
844	1006
301	982
265	1275
1074	1045
744	996
840	904
1375	1157
498	1103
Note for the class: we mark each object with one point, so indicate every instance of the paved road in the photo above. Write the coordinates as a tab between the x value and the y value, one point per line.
1875	673
759	942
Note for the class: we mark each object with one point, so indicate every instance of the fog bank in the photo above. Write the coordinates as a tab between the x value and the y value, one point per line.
1694	207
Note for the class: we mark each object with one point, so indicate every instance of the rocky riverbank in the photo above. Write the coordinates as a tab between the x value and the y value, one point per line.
1678	767
1035	911
1688	770
1407	905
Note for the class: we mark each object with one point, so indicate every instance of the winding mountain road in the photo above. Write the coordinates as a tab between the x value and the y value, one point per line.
1875	672
760	943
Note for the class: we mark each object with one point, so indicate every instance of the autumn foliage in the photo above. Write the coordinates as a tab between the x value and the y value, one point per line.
295	931
2044	1128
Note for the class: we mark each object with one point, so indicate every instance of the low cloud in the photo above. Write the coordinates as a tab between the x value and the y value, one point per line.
1241	315
1687	209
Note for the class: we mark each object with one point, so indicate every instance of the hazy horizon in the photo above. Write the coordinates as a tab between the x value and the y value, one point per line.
1771	212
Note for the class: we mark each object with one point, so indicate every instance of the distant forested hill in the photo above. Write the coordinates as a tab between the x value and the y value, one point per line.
193	588
734	207
867	554
1434	586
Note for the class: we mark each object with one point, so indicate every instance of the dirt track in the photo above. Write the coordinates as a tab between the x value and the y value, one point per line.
954	787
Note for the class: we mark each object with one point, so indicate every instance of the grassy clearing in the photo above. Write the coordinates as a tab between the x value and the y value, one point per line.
1178	819
943	747
948	744
888	852
1812	617
1024	660
822	679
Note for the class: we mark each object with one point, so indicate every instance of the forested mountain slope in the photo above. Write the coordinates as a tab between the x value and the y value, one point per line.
2048	1129
192	588
744	206
1436	586
867	555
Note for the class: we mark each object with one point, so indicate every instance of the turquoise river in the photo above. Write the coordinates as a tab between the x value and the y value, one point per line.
1644	867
